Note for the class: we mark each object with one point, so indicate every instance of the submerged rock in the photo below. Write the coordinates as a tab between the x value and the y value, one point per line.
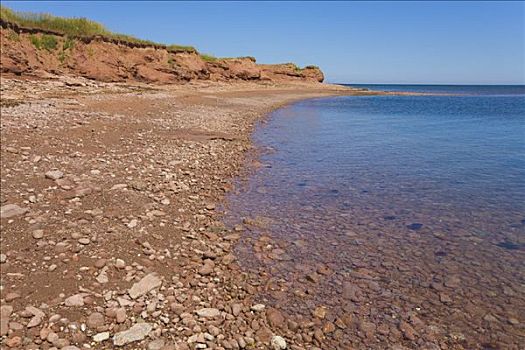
415	226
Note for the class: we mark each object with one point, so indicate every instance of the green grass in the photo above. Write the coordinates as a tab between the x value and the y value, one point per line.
208	58
75	27
47	42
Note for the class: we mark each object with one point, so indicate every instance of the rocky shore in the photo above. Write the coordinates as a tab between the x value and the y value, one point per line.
110	233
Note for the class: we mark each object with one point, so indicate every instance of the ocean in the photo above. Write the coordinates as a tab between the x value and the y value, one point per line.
389	208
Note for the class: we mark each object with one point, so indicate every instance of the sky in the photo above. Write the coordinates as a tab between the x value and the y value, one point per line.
353	42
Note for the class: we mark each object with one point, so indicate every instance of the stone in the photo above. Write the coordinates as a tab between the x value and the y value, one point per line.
120	264
320	312
120	315
156	344
278	343
208	312
145	285
3	258
103	276
13	342
236	309
100	337
54	174
137	332
84	241
275	318
38	234
35	321
75	300
206	269
407	330
70	347
10	210
258	307
95	319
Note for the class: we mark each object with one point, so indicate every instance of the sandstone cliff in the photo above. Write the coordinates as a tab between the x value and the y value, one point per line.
29	51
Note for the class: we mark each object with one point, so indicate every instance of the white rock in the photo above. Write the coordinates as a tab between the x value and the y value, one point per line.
145	285
278	343
208	312
75	300
103	276
54	174
258	307
100	337
138	332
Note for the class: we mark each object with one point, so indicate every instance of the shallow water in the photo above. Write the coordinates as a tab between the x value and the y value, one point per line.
389	208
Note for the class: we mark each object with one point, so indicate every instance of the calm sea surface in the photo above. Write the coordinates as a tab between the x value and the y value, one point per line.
391	209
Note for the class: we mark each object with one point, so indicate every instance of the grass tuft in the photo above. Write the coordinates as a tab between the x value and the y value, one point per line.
75	27
208	58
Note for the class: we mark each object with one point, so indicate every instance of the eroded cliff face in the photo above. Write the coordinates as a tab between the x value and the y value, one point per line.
33	52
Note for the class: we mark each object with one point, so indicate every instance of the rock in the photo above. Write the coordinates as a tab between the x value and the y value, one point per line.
95	320
207	268
3	258
100	337
35	321
14	342
236	309
258	307
84	241
11	296
120	264
137	332
69	347
10	210
415	226
120	315
278	343
320	312
275	318
103	276
145	285
157	344
407	330
38	234
54	174
208	312
75	300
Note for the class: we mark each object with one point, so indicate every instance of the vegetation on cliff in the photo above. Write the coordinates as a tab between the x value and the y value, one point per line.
75	27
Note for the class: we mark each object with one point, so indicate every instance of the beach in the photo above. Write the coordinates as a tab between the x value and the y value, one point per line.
109	195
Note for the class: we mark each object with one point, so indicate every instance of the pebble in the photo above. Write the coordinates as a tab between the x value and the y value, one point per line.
278	343
100	337
38	234
84	241
208	312
258	307
54	174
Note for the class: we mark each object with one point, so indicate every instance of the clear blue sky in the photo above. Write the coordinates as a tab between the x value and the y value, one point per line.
358	42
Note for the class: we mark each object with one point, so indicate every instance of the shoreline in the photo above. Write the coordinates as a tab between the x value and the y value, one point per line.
110	189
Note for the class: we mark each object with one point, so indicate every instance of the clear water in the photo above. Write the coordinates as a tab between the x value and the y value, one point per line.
412	191
487	90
